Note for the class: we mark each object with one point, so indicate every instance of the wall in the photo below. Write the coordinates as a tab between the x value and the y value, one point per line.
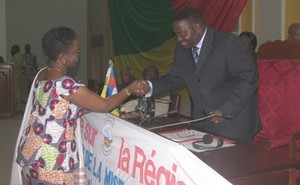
292	13
97	66
270	19
2	30
268	22
27	21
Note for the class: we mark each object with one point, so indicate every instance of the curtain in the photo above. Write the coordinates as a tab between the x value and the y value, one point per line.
142	29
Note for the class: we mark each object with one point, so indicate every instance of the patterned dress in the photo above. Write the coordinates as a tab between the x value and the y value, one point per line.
47	150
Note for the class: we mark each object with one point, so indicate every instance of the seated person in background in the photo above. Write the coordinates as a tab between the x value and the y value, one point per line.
294	31
146	105
250	41
1	59
127	77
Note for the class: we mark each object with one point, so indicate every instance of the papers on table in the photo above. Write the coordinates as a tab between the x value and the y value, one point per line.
187	136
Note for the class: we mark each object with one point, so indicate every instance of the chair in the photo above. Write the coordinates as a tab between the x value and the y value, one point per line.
279	97
174	105
278	92
294	147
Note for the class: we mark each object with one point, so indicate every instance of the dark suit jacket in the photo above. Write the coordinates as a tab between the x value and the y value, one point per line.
224	78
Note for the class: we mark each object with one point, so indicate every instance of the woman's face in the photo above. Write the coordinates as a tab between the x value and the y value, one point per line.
247	43
73	54
126	76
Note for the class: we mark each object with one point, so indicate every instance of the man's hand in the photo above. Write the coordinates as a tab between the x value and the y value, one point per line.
139	87
218	118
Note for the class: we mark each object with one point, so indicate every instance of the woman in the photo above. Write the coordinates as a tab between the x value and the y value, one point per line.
127	77
47	151
250	41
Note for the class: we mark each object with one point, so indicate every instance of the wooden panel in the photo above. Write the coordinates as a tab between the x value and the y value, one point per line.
274	178
6	90
287	49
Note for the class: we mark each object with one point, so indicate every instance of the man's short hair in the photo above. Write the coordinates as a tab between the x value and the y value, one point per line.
189	13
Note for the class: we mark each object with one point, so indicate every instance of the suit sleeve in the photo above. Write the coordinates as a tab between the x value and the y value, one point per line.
169	82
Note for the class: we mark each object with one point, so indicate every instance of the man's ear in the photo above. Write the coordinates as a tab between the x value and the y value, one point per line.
197	27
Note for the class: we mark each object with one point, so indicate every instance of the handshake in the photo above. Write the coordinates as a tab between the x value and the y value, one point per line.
138	88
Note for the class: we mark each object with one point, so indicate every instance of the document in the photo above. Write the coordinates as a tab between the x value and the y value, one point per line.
187	136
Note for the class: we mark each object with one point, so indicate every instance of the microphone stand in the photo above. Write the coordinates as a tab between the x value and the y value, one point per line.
189	121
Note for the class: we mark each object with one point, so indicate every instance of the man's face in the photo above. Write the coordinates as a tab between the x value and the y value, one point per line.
296	35
188	34
27	49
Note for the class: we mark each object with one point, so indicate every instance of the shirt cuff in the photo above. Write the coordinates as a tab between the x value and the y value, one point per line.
149	93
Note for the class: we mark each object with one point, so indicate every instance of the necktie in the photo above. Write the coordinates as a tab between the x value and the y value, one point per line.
195	53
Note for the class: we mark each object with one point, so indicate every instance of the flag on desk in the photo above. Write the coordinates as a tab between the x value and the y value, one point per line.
110	85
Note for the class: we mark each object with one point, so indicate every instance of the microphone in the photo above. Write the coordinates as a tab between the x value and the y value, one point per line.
204	144
190	121
164	114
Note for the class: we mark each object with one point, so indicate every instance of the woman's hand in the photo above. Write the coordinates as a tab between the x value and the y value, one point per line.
138	87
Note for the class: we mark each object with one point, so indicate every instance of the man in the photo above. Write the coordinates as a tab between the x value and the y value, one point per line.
30	65
294	31
20	93
222	80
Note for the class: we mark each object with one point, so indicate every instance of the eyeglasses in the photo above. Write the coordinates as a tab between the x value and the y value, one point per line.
75	52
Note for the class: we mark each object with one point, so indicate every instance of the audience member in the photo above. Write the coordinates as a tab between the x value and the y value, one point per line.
294	31
1	60
150	72
250	41
220	75
127	77
30	65
146	105
48	150
20	84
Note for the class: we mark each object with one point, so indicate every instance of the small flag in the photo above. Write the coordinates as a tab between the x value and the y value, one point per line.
110	86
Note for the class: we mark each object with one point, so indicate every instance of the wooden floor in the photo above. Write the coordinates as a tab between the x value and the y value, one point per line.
9	129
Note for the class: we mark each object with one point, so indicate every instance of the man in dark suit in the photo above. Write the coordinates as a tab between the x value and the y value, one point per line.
222	79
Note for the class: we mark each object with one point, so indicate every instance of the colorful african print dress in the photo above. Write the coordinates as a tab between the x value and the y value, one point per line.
47	150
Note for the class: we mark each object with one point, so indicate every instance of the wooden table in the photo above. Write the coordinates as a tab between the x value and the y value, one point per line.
246	164
243	164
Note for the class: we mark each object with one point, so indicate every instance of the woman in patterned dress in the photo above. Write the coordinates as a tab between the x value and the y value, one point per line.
47	151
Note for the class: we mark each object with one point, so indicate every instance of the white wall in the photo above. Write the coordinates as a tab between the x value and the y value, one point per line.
3	29
27	21
269	21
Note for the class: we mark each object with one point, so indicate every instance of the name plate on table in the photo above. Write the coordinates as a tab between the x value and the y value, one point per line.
118	152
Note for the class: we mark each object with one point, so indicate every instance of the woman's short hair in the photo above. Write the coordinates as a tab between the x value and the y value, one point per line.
252	38
56	41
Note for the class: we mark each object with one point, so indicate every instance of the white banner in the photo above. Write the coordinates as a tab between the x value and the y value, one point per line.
117	152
